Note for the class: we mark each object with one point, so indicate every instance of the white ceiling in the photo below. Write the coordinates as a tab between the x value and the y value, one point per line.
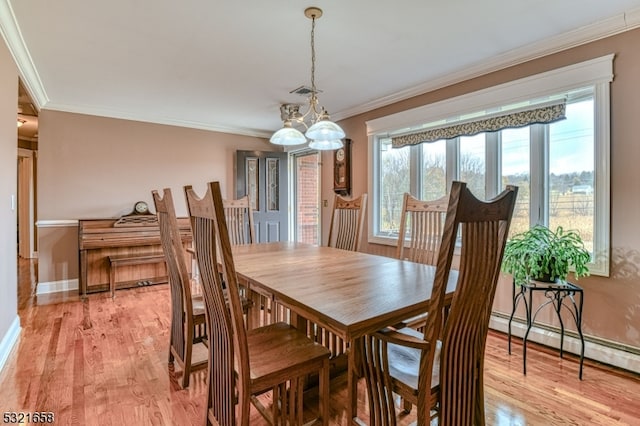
228	65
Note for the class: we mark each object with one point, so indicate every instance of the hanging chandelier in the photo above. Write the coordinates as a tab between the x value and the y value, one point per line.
322	133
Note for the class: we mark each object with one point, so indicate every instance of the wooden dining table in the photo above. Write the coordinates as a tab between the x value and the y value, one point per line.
348	293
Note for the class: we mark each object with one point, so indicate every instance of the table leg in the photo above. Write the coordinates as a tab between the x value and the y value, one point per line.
352	383
352	403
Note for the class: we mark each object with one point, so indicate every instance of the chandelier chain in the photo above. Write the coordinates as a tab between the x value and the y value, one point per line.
313	56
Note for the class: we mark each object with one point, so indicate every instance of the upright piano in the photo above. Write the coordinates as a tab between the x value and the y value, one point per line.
133	235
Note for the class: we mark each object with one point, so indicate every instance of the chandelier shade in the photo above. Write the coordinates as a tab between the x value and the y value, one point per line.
324	130
322	133
288	136
326	145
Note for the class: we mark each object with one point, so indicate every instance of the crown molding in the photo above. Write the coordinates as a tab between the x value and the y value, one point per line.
123	115
587	34
27	70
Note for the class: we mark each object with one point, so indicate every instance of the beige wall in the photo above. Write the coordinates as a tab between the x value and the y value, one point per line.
96	167
8	189
612	305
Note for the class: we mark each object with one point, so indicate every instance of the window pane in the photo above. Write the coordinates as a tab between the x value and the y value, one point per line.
434	177
516	171
571	168
394	182
473	164
273	184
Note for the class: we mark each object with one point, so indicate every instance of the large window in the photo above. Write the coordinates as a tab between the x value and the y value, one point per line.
561	168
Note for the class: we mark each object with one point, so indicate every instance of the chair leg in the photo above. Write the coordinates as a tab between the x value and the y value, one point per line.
324	384
406	405
187	365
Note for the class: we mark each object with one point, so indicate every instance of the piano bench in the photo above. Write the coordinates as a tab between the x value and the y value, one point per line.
116	261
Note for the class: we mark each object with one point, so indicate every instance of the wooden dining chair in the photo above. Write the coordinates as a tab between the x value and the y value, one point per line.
347	221
442	372
187	311
239	215
246	363
421	227
419	237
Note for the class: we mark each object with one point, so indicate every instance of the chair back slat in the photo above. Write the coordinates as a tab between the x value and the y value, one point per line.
228	351
177	271
347	222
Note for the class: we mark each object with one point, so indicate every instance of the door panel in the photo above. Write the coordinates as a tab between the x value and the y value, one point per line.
263	176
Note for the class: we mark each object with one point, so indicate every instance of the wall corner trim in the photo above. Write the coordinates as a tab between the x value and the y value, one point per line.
9	341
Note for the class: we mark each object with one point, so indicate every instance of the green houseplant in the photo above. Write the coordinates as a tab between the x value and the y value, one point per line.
545	255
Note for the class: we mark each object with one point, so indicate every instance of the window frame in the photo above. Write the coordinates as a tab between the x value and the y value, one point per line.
596	73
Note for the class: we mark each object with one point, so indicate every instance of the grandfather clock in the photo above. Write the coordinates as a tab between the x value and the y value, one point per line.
342	169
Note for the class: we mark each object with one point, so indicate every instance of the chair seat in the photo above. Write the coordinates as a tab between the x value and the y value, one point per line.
280	347
404	362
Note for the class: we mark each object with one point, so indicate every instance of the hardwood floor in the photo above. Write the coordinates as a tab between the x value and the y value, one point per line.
104	362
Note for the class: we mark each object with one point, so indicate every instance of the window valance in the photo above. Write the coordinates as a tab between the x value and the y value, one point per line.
486	123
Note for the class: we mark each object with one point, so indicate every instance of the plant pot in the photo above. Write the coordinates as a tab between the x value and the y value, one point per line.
546	278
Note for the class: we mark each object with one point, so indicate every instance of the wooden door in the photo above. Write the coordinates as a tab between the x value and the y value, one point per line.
263	176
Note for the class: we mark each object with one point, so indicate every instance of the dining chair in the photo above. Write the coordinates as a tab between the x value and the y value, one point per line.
347	221
419	237
187	311
239	215
246	363
421	227
441	372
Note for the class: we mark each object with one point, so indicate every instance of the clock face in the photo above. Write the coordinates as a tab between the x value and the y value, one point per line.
340	154
141	207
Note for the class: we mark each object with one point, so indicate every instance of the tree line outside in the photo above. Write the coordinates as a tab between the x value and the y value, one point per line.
571	203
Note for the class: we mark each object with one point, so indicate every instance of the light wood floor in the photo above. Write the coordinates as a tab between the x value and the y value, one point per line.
104	362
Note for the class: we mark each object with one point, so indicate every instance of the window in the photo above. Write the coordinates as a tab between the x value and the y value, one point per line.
561	168
394	182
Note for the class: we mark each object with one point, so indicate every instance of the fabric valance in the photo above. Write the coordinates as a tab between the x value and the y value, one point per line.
487	123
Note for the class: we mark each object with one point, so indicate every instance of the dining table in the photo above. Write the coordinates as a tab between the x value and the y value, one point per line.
348	293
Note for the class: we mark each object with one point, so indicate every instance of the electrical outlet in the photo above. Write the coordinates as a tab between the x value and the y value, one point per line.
325	203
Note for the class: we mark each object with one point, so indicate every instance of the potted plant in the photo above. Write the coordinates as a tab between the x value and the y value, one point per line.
544	255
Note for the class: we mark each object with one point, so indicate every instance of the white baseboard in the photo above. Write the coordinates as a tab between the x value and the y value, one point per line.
57	286
592	349
9	340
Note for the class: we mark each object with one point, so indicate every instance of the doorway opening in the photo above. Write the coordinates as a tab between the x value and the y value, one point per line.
306	179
